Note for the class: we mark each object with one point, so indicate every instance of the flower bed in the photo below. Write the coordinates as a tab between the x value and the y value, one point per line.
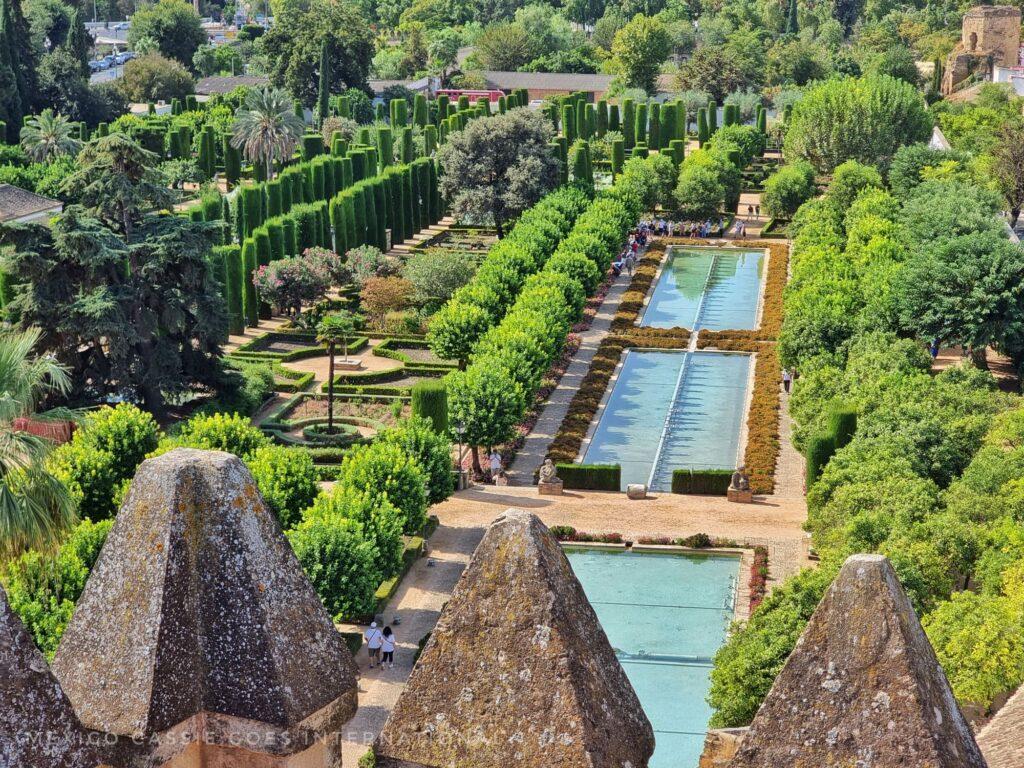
287	346
308	408
758	583
415	353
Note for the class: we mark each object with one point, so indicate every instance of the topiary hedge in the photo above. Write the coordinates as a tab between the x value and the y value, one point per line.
709	482
591	477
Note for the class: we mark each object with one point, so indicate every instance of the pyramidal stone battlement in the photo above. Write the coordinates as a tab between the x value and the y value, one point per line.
38	727
861	688
198	634
518	670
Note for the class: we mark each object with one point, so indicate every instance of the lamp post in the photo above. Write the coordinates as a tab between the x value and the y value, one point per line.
460	431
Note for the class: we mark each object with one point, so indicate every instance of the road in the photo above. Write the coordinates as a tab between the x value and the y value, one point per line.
106	75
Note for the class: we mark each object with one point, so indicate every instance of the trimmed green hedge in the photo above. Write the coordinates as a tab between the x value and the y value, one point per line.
591	477
707	482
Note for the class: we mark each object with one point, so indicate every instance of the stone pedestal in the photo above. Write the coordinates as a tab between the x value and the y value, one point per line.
740	497
348	365
554	488
636	491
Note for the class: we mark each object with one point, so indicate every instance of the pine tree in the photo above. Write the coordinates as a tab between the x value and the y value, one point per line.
17	68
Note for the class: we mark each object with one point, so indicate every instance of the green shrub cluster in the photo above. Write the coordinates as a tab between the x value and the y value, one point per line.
42	588
490	397
103	455
921	467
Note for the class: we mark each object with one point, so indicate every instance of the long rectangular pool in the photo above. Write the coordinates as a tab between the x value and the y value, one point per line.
712	288
665	615
672	410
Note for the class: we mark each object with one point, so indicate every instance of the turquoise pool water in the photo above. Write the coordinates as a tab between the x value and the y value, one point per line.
712	288
665	616
672	410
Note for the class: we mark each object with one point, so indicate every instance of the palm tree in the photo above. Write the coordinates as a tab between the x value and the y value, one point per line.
267	127
336	328
48	135
35	507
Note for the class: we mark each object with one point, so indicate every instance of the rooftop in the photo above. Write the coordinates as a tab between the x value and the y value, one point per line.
17	203
208	86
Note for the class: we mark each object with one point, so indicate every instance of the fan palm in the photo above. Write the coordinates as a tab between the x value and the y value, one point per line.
336	328
48	135
267	127
35	507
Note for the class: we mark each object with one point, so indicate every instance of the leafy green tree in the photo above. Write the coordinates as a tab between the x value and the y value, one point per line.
47	136
17	68
35	508
504	47
42	587
378	519
293	47
787	189
712	70
287	480
455	328
913	162
1008	157
497	168
437	274
123	294
639	49
336	328
488	403
153	77
897	62
266	128
232	433
386	470
433	452
865	119
339	562
699	193
979	640
173	24
967	290
848	182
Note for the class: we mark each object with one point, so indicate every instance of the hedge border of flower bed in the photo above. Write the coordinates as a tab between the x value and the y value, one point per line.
296	381
345	382
387	350
591	477
276	420
246	351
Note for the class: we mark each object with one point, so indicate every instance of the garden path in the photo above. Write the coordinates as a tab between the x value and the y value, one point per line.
535	448
418	603
754	223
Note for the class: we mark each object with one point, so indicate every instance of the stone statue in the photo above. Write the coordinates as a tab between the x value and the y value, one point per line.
548	473
740	479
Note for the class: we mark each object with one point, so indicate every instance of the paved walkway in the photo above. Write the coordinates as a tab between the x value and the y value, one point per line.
754	223
535	448
418	604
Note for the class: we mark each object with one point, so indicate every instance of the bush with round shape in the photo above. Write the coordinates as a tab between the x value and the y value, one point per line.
377	518
386	470
432	451
233	433
339	562
454	330
787	189
576	266
287	480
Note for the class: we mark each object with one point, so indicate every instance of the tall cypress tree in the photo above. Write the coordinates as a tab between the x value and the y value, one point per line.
77	43
17	68
323	94
792	25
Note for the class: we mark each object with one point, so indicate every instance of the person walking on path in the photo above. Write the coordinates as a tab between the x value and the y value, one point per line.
495	460
787	379
374	640
388	648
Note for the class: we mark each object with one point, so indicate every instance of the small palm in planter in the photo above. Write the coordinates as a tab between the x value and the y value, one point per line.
336	328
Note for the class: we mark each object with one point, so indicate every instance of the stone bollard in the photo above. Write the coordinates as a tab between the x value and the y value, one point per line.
636	491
